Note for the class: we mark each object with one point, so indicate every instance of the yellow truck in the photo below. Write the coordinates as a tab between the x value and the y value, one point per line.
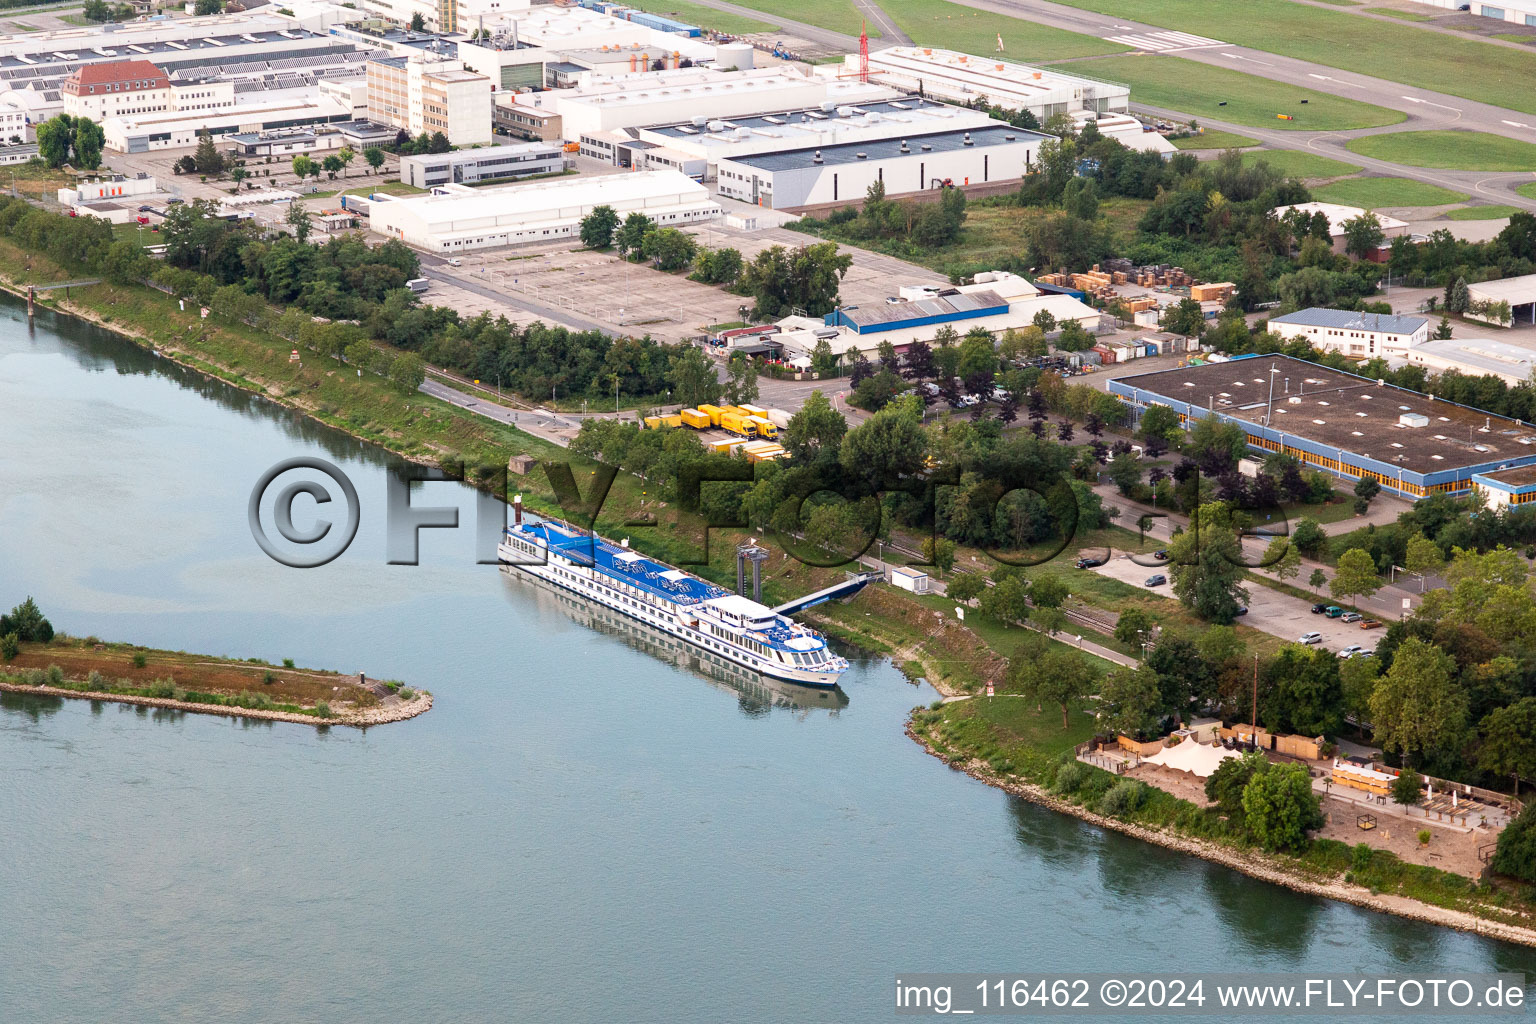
724	447
755	410
738	423
672	420
713	412
653	423
695	418
764	425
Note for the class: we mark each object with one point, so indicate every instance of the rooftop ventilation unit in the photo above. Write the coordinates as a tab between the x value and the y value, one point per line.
861	156
844	111
816	157
926	147
1413	419
904	147
967	140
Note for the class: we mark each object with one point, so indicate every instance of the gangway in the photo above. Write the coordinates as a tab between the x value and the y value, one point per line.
855	582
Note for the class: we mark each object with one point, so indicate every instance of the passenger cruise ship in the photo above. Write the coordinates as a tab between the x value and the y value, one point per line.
710	617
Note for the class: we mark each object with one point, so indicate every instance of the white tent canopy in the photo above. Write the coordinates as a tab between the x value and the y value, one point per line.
1193	757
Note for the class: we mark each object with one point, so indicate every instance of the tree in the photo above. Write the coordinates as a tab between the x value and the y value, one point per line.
1363	235
1308	537
1280	807
741	384
1355	574
965	587
1125	471
1457	298
238	174
407	371
303	166
939	552
1317	579
823	359
1416	709
597	227
693	378
55	137
1224	787
1366	488
1131	626
207	159
1443	330
1422	556
1207	567
374	157
1060	676
1509	741
1160	421
204	7
1045	320
88	140
298	218
418	23
27	622
805	278
1048	591
346	155
1282	559
1186	318
1006	600
1127	700
885	448
10	646
668	248
815	431
332	165
1516	853
439	143
631	234
717	266
1408	788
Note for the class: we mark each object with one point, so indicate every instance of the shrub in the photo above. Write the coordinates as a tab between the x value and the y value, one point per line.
407	694
268	678
34	677
1424	836
139	661
287	663
10	646
55	675
1123	798
323	710
96	682
1360	856
1070	777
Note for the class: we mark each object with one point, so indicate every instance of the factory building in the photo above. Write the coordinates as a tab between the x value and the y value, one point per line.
180	130
457	218
697	144
471	166
791	179
1409	443
963	78
1475	357
997	301
1519	292
1502	488
1518	12
423	95
1357	335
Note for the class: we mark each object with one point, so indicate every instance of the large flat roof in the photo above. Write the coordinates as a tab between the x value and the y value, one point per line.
551	199
1514	290
1344	319
830	116
1482	354
885	149
1342	411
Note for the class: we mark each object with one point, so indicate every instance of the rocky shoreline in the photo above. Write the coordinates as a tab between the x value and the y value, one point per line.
1252	864
398	711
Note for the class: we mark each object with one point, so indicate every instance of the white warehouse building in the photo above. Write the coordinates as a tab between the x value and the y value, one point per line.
1357	335
963	77
458	218
794	178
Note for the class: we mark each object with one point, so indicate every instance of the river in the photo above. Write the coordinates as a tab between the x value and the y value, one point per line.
578	831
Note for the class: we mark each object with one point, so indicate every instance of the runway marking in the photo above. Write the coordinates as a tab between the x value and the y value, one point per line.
1251	60
1164	42
1516	124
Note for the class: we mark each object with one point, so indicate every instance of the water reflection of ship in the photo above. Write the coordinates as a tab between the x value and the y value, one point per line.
757	691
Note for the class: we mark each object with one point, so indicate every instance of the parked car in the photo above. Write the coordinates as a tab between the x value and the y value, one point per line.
1088	562
1350	617
930	387
1318	609
969	400
1242	609
1161	554
1157	580
1370	624
1310	638
1333	611
454	261
146	209
174	202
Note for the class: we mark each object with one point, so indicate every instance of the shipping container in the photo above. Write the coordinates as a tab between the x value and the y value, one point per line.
653	423
674	420
696	418
754	410
779	418
713	412
724	447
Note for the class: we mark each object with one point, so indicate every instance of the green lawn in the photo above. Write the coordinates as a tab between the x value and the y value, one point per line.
704	17
1374	193
1300	163
1514	37
1199	89
1457	151
1215	140
1398	53
1404	15
1491	212
956	27
833	15
1528	190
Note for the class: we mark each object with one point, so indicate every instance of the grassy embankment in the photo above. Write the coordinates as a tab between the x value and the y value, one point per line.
704	17
1301	164
1376	193
1189	87
196	681
1493	211
1212	139
1009	743
1451	150
1414	56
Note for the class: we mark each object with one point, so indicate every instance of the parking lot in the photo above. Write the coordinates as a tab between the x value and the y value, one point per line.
1269	610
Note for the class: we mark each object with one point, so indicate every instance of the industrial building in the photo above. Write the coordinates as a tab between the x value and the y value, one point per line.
791	179
1358	335
1339	215
457	218
964	78
469	166
1519	12
1410	443
1519	292
180	130
112	197
1502	488
420	94
697	145
996	301
1475	357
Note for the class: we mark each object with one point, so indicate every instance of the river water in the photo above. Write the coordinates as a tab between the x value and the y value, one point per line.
579	830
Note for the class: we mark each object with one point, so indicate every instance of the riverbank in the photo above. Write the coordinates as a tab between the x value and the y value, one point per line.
1474	908
123	673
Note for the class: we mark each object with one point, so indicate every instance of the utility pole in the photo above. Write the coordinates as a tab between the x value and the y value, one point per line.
1255	699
